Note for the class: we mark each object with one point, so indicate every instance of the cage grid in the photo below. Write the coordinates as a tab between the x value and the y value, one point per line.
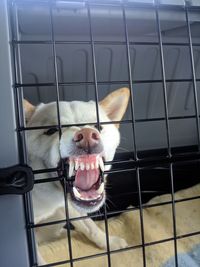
136	162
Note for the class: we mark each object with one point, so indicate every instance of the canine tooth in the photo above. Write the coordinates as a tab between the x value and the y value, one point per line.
76	193
76	165
96	164
92	166
82	166
71	168
101	188
101	164
87	166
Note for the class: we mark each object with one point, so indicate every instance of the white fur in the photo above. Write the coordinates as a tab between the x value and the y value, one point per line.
46	151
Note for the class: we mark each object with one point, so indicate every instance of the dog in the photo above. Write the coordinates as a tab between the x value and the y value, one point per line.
84	149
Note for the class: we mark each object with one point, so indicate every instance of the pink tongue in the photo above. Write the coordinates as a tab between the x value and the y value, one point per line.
86	179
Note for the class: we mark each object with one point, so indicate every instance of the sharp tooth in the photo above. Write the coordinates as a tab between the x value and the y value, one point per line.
101	164
82	166
92	166
76	193
96	164
85	198
76	165
89	199
101	188
71	168
87	166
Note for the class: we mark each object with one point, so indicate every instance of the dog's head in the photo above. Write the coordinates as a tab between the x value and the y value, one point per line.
83	148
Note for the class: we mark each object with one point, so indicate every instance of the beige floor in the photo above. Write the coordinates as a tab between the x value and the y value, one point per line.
158	224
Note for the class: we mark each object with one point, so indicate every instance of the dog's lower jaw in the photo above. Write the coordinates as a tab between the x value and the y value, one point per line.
87	209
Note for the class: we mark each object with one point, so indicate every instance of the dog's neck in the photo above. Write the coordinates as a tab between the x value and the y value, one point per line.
44	204
38	164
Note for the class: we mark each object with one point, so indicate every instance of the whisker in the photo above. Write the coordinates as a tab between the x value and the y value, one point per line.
109	200
122	149
108	186
124	138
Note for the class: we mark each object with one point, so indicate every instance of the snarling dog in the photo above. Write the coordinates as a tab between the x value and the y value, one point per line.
84	149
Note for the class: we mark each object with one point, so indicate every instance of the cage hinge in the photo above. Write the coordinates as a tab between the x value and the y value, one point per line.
17	180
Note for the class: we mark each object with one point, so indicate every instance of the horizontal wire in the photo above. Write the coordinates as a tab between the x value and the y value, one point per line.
122	249
99	215
111	3
143	163
18	85
105	123
102	42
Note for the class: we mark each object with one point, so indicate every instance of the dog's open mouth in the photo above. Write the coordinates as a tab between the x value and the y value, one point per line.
86	170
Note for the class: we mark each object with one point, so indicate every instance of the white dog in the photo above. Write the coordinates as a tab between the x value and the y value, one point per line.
84	149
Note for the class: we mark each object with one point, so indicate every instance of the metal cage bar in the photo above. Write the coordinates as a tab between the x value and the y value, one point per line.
174	214
162	61
193	73
134	135
60	130
97	114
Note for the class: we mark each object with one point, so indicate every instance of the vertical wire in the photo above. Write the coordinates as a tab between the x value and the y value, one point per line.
193	74
130	81
134	137
173	214
141	216
27	199
163	78
19	79
93	64
60	128
98	122
167	125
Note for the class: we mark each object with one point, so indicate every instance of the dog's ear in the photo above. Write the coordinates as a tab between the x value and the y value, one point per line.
115	104
28	109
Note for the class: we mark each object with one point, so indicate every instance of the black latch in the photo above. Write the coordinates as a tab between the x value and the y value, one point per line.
17	180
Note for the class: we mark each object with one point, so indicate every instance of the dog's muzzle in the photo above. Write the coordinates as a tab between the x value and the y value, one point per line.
84	174
84	178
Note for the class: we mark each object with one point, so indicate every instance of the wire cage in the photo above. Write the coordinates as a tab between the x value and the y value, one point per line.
81	50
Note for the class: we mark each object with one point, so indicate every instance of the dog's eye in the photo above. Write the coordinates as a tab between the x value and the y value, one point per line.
100	127
51	131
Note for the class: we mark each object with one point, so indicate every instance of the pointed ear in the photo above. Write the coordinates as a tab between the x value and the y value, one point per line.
115	104
28	109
